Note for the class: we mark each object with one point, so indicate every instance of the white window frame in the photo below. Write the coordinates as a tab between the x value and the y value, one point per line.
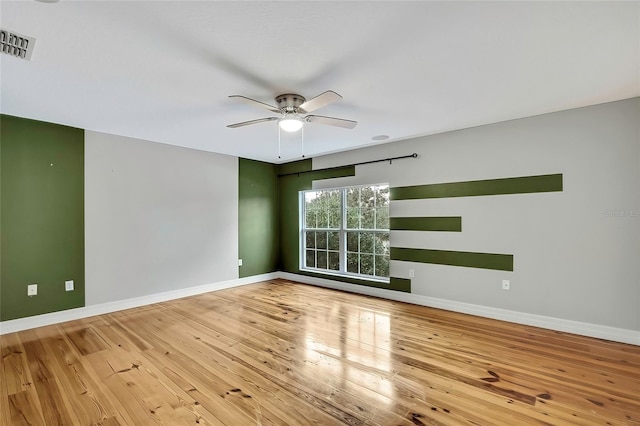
342	272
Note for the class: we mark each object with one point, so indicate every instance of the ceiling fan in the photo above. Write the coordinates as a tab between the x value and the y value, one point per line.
294	109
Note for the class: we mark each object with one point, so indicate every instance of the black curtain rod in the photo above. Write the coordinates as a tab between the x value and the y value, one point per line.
414	155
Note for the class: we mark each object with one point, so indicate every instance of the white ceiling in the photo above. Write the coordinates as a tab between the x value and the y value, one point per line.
163	70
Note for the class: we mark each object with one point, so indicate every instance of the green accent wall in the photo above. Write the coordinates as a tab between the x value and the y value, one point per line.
289	188
263	193
515	185
502	262
268	213
432	223
258	220
42	216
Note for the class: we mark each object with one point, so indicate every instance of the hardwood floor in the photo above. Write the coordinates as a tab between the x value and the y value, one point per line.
285	354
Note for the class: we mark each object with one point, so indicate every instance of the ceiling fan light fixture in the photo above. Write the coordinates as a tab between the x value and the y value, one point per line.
290	124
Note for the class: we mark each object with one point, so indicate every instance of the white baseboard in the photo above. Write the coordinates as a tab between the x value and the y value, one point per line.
558	324
582	328
20	324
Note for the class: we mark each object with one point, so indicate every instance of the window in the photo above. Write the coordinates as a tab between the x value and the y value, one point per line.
345	231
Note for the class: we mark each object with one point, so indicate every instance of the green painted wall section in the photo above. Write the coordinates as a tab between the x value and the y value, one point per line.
516	185
268	213
431	223
258	220
398	284
295	167
42	216
291	178
502	262
289	187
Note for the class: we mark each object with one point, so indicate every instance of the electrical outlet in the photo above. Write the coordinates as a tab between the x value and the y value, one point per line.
506	285
32	290
412	273
68	285
239	262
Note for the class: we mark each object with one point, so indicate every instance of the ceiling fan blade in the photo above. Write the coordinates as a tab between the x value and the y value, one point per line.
339	122
319	101
256	103
247	123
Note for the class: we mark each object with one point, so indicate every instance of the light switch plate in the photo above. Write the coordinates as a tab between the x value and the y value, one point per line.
68	285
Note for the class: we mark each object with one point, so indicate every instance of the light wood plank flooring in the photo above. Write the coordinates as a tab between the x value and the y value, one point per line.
281	353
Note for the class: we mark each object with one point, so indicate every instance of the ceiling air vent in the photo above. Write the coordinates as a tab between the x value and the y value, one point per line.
15	44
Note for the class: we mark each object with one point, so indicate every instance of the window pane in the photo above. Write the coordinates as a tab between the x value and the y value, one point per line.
352	241
353	197
382	266
310	239
322	260
311	259
367	219
367	196
366	264
382	244
353	218
334	241
382	196
310	218
382	218
333	199
323	219
335	217
334	260
321	240
352	262
366	242
310	198
323	196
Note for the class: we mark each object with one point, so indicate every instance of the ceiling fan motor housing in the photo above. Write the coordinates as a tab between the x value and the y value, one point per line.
290	103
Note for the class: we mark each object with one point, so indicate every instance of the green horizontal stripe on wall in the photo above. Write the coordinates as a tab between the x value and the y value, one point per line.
333	173
398	284
502	262
432	223
515	185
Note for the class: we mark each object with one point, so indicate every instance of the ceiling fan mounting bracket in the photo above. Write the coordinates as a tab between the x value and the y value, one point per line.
289	102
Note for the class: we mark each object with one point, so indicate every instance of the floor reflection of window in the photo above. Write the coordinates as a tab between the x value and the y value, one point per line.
357	353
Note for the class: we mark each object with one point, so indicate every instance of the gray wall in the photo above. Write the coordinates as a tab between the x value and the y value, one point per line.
575	252
157	218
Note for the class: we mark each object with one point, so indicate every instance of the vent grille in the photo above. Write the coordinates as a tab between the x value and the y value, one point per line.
15	44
